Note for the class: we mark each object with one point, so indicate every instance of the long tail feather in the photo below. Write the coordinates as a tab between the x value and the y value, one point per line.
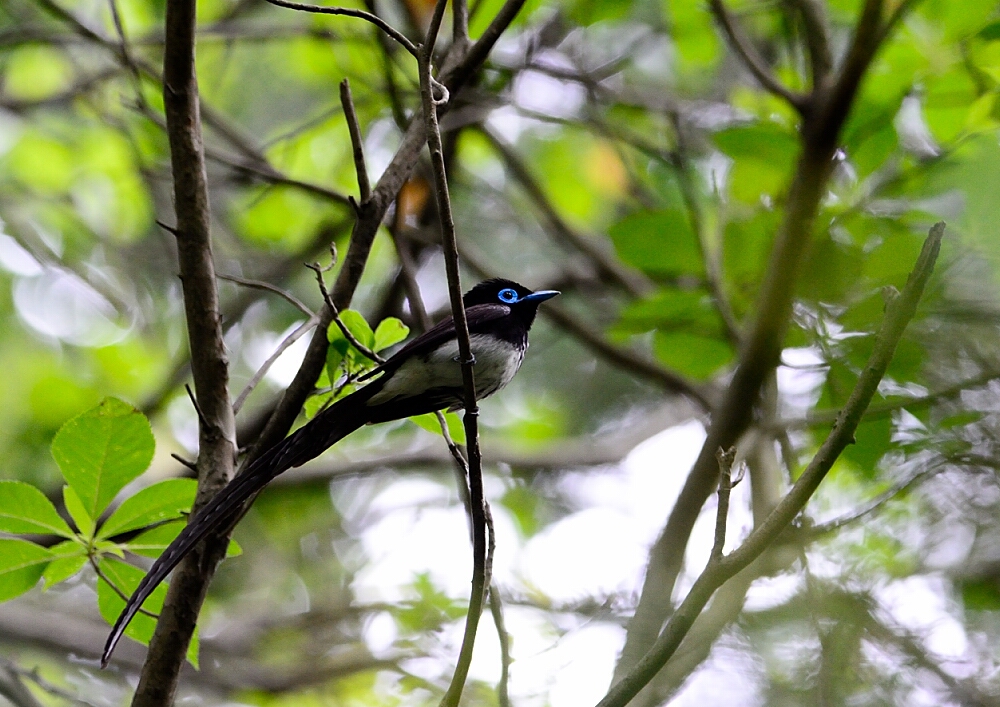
306	443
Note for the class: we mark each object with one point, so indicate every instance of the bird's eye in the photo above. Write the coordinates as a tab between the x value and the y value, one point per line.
507	295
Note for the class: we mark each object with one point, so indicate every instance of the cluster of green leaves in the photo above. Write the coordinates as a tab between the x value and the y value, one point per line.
99	452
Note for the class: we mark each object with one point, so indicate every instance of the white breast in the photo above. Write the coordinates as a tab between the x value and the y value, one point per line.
496	363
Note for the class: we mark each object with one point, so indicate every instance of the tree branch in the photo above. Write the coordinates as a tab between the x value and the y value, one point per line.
751	59
209	363
349	12
432	95
899	312
762	344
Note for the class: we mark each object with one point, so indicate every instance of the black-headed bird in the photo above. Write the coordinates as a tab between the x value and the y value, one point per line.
424	376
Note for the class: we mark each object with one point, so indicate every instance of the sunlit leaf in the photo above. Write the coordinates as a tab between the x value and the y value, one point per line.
430	423
101	450
162	501
21	566
68	558
25	509
390	331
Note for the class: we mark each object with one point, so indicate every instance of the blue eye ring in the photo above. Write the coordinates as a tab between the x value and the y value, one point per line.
508	295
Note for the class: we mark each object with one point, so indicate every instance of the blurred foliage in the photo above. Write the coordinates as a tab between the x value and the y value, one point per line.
640	145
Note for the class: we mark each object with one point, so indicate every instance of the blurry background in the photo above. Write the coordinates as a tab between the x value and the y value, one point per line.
617	151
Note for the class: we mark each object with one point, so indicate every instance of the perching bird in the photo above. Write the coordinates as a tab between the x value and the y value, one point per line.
423	376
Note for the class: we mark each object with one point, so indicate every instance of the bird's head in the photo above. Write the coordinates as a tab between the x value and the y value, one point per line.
519	298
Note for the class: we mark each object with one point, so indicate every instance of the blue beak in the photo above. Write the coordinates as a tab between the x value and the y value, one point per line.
540	296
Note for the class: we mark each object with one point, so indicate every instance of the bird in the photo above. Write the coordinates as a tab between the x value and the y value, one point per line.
424	376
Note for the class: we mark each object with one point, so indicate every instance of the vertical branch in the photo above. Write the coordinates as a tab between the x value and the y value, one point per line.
432	95
726	458
209	365
364	186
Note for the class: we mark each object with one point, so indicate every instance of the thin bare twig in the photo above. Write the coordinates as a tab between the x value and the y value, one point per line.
185	462
726	458
431	98
261	285
258	376
367	352
348	12
752	60
364	186
813	14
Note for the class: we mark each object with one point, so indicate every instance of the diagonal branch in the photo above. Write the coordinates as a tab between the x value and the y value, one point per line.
899	311
350	12
754	62
761	350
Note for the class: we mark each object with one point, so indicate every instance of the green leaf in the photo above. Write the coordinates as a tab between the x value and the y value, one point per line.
69	557
335	354
162	501
430	423
672	309
126	578
101	450
690	354
390	331
355	324
981	595
21	566
25	509
660	242
84	523
763	155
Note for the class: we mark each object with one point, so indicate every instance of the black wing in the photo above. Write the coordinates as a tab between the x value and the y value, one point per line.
477	316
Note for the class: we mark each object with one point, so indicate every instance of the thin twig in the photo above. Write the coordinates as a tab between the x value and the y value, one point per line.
186	462
194	401
367	352
753	61
364	186
114	587
496	609
408	273
814	22
348	12
431	99
258	376
726	458
261	285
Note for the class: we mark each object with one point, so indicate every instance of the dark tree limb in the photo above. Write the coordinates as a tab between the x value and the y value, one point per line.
432	95
209	363
762	343
899	311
